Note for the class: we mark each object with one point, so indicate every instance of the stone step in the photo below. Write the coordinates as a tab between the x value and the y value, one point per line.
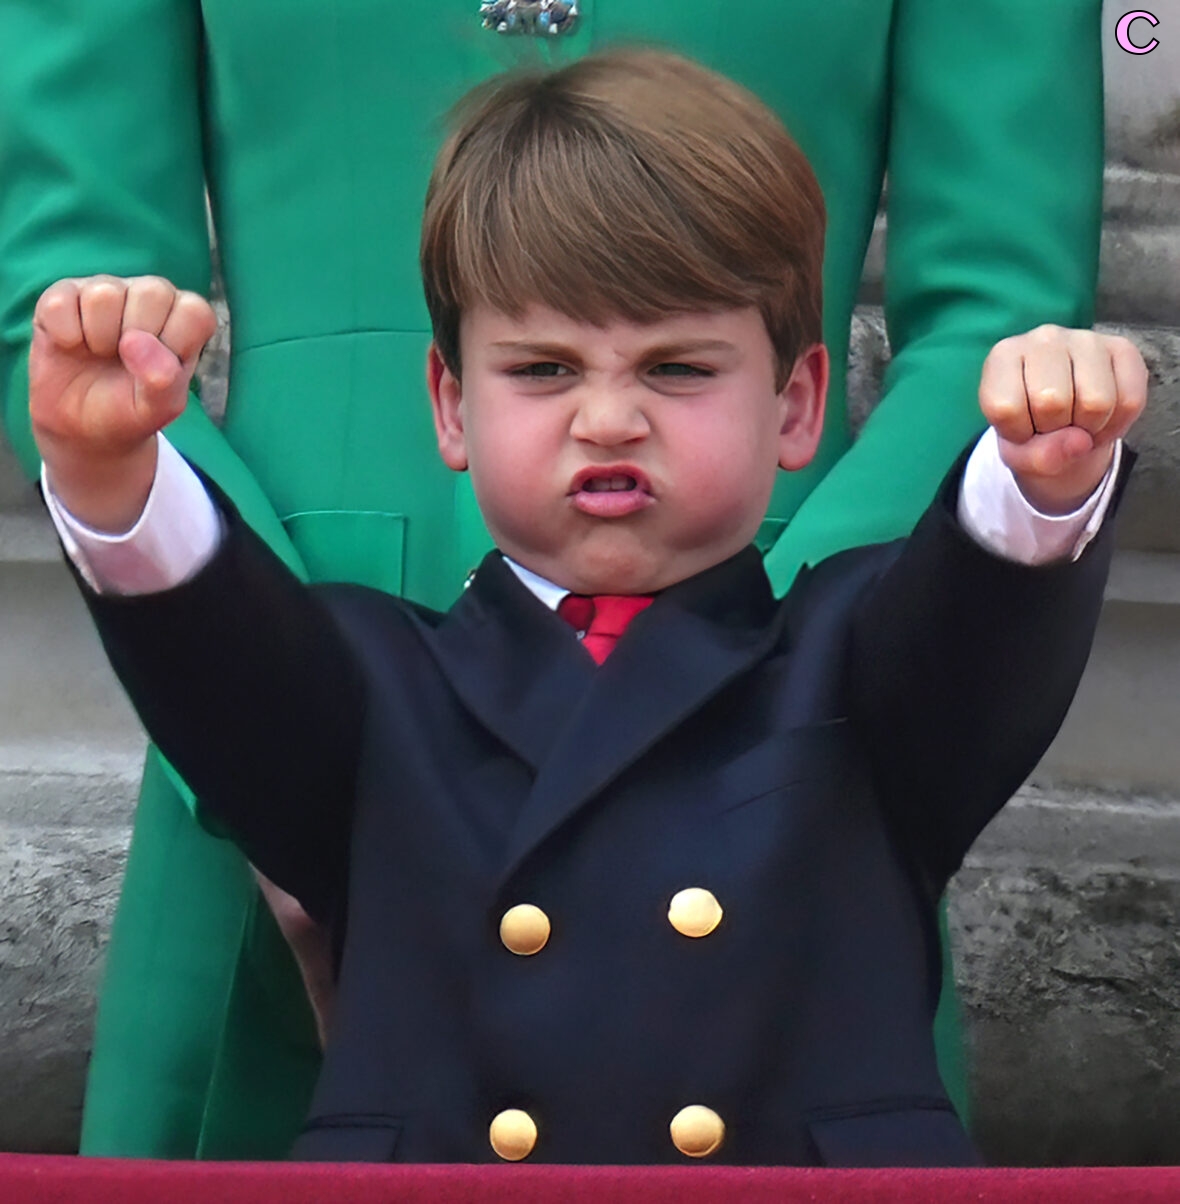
1063	925
40	787
17	493
1143	90
1139	273
1147	577
61	708
60	888
1138	197
27	537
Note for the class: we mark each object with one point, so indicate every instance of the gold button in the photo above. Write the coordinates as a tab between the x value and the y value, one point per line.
513	1134
697	1131
694	912
524	929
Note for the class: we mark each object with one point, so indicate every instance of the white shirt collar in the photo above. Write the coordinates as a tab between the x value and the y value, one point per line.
549	593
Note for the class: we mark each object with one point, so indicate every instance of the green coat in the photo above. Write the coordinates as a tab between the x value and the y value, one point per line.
314	126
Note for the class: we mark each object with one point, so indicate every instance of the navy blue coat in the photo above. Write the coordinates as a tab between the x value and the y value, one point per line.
820	763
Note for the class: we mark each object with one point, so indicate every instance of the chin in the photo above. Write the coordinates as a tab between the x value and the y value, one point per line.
614	571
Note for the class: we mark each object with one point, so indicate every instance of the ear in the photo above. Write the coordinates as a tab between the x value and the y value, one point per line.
803	398
446	404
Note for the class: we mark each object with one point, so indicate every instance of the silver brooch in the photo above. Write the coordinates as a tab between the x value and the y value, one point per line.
538	17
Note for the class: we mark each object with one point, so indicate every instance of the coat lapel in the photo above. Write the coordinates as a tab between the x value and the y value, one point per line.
697	636
515	664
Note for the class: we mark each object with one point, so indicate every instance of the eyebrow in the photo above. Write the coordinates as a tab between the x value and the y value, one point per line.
554	350
664	351
689	347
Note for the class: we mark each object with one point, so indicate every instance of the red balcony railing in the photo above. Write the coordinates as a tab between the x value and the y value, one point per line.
32	1179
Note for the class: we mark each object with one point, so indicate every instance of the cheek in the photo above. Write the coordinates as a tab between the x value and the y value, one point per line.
732	467
510	451
734	451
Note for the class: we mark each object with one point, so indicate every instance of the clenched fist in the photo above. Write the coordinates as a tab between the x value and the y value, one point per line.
1058	400
110	365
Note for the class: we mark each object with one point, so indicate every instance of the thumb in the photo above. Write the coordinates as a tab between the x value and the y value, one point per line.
1049	454
161	382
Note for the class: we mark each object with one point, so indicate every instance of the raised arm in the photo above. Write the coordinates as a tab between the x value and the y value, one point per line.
242	679
994	209
251	690
966	660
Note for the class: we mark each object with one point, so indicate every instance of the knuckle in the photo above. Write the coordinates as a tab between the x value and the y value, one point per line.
194	303
152	288
103	280
1091	404
200	311
54	302
184	306
1006	349
1046	334
1050	400
57	289
101	289
1000	405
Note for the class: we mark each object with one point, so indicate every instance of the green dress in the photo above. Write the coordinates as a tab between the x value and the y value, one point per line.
313	126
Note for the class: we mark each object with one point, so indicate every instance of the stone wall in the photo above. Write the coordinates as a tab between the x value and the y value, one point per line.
1063	917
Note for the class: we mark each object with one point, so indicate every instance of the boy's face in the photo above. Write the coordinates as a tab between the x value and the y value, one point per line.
623	458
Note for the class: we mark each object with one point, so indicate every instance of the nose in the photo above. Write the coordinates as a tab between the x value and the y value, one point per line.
608	415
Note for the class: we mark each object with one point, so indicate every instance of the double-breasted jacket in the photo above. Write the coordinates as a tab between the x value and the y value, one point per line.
813	769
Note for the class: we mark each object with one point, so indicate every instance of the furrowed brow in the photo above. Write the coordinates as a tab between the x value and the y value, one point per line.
683	347
556	351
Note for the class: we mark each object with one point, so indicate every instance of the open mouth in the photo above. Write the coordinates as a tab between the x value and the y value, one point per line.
611	478
610	492
615	484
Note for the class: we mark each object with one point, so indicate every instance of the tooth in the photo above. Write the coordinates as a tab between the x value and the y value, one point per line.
615	484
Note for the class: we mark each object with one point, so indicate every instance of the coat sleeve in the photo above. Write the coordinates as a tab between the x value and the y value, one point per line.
963	668
102	166
249	685
994	211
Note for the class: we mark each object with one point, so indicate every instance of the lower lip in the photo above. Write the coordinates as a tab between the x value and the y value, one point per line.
612	503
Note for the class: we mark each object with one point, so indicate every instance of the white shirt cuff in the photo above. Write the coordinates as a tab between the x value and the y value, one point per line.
994	512
174	538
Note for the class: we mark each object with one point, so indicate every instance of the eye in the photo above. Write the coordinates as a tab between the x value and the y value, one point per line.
542	370
677	371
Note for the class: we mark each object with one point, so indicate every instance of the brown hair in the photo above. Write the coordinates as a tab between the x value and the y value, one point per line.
632	184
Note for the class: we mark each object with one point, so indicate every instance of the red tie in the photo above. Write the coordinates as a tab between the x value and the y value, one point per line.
603	618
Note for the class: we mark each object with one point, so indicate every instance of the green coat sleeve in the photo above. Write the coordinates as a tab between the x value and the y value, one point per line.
101	158
994	210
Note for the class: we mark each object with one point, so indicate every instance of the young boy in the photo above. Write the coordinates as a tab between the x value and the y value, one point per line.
641	897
